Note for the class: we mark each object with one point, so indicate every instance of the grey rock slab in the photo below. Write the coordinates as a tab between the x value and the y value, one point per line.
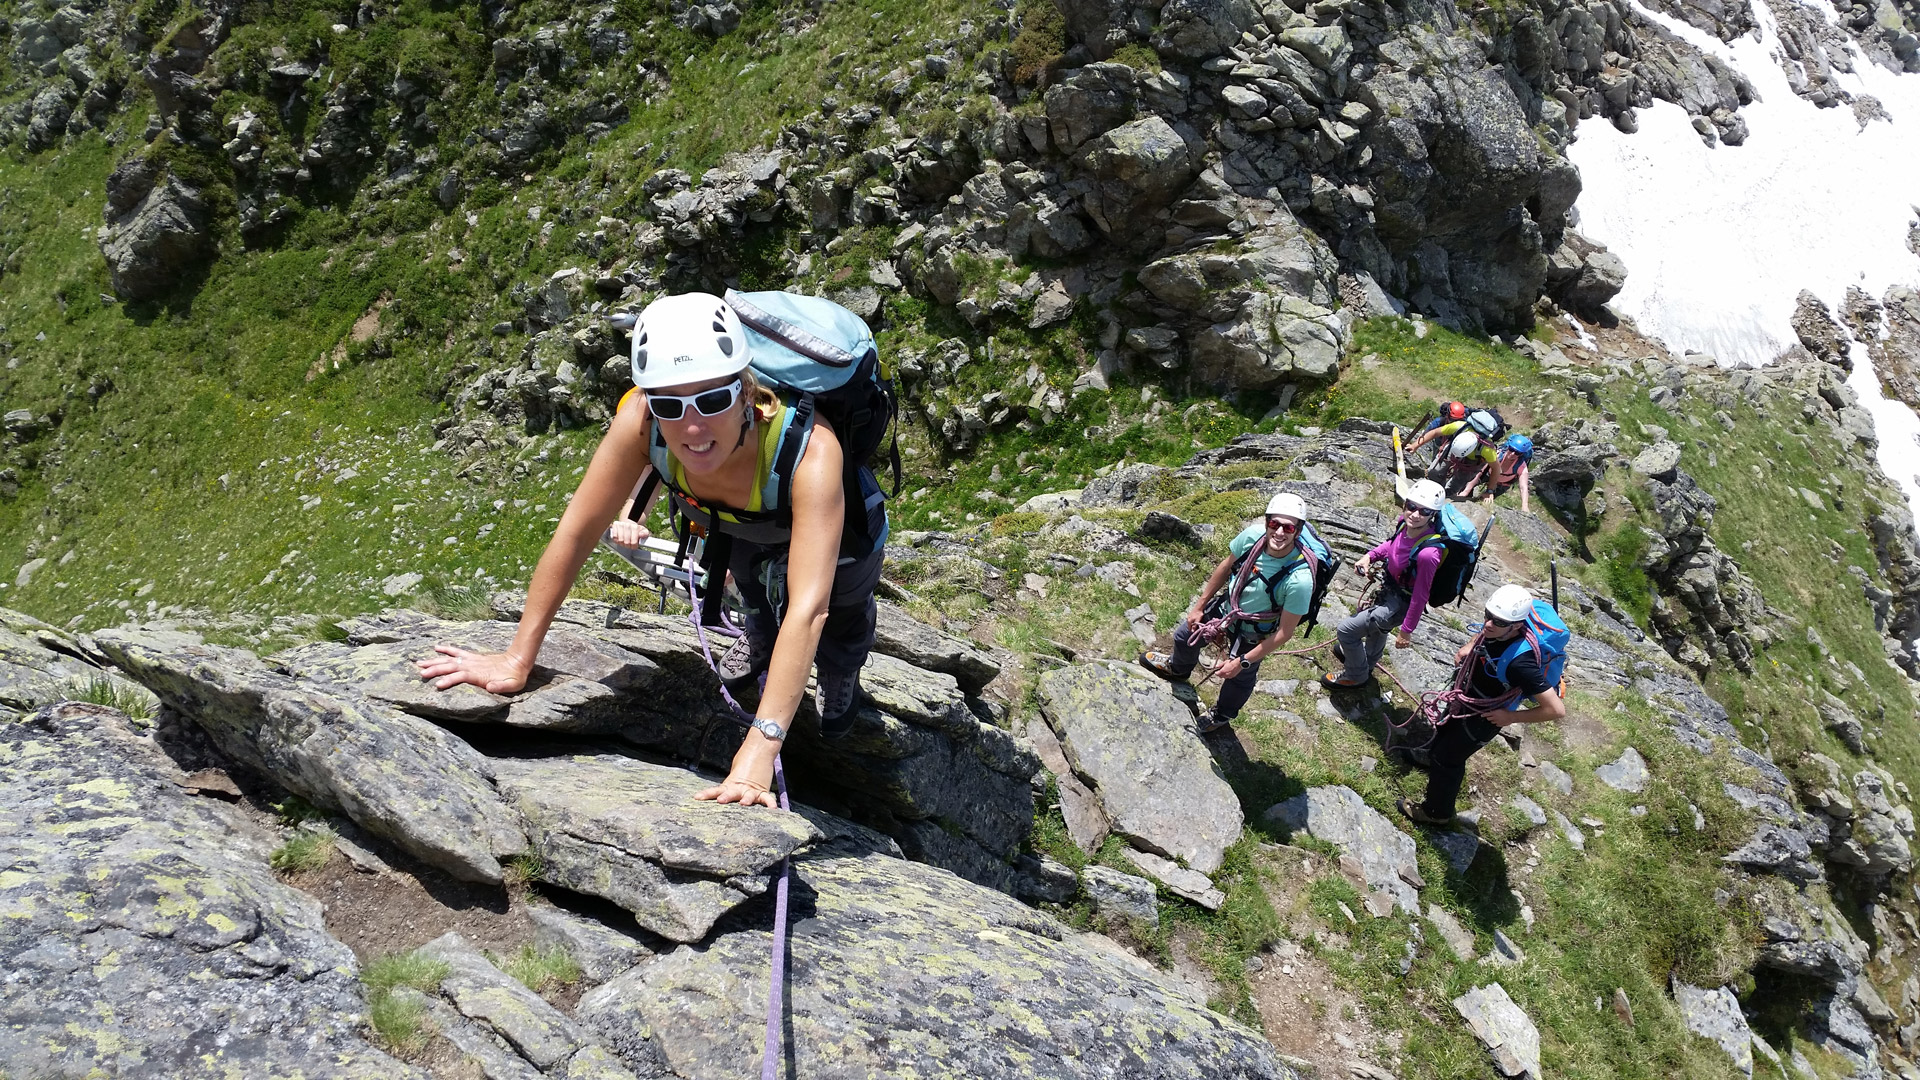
900	635
1504	951
1627	773
387	672
1658	461
1571	831
396	776
595	1063
1529	809
1128	736
1459	939
189	959
1087	821
1556	777
902	970
1715	1015
1457	846
1116	894
1179	880
482	992
632	832
473	1039
1501	1026
601	951
1340	817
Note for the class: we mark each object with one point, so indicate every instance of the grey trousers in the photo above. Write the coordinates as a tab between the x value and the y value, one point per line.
1363	634
1234	692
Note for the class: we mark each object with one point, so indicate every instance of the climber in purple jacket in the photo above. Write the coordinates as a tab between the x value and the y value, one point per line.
1410	558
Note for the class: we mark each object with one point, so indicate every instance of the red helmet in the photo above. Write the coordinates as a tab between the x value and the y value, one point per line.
1456	410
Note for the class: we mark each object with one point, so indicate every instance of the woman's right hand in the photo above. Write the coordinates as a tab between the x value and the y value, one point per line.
496	673
628	533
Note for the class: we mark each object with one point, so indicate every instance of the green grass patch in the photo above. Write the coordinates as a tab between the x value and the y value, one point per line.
398	1021
540	970
113	695
307	850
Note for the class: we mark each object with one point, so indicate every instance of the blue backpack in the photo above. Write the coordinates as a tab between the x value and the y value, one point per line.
1460	545
1547	635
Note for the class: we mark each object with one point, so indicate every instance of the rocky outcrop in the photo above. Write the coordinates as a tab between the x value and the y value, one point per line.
1721	613
1131	741
1340	817
1506	1031
188	958
398	777
156	230
887	995
480	1009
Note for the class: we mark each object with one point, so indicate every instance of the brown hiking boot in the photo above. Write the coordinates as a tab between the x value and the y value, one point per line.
1417	814
1160	664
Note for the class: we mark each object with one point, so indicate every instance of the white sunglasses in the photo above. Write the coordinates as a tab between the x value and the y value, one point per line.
707	402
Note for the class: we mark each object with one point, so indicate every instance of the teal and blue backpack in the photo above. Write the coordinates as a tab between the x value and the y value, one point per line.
1460	545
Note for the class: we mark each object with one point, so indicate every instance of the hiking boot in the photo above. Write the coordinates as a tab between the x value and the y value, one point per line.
1160	664
1339	682
837	697
741	661
1417	814
1210	722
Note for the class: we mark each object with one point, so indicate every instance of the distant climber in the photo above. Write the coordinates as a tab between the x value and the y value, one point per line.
1475	453
1250	605
1519	654
1409	559
721	430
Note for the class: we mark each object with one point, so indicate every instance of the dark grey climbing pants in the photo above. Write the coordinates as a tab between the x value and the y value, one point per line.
760	573
1235	691
1363	634
1457	740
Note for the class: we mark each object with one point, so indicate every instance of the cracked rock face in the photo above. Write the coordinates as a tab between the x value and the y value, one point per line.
633	833
189	959
900	970
1339	816
394	775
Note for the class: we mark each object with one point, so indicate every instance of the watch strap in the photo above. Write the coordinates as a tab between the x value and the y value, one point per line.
769	728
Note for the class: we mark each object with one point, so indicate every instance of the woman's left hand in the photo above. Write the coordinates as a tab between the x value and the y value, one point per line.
742	789
1229	668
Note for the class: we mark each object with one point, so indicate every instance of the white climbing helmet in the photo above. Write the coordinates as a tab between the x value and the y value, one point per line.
1287	505
688	338
1510	603
1464	444
1426	494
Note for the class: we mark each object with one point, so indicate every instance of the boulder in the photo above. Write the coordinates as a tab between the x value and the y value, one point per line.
398	777
1501	1026
1116	895
1132	741
601	951
537	1031
633	833
1200	29
1340	817
905	638
897	970
1180	881
160	235
189	958
1270	340
1660	461
1565	477
1090	102
1715	1015
1135	169
1628	773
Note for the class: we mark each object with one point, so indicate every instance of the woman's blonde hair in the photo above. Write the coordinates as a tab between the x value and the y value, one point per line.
762	400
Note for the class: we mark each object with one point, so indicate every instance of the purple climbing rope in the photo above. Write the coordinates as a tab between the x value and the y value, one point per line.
770	1058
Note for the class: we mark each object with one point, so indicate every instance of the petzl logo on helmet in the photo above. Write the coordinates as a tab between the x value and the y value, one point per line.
683	359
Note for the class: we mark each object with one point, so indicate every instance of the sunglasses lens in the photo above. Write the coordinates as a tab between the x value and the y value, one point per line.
714	402
669	408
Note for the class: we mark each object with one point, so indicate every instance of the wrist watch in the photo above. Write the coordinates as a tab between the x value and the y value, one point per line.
769	728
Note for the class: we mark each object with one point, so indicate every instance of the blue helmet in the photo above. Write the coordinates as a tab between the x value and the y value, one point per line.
1521	445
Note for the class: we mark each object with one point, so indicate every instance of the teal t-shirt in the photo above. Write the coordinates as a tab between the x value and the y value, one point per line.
1296	595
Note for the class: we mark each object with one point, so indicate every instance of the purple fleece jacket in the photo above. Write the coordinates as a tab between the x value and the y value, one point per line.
1396	553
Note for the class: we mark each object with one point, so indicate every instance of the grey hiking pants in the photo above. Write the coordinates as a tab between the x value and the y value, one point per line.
1363	634
1235	691
760	573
